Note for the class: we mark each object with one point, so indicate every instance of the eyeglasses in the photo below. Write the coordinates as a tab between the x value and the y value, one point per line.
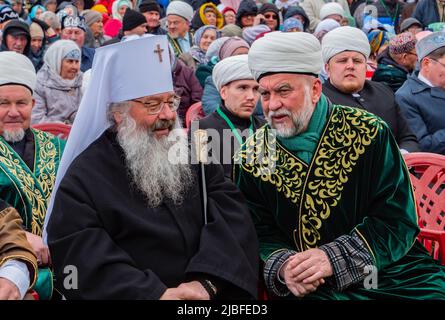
270	16
412	53
442	64
156	107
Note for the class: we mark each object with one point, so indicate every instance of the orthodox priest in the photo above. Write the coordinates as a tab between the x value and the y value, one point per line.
330	195
29	158
233	121
127	213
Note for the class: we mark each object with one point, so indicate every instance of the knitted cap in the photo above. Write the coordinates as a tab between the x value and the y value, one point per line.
132	19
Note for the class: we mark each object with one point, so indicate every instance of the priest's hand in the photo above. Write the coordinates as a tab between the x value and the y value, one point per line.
309	266
8	290
40	249
186	291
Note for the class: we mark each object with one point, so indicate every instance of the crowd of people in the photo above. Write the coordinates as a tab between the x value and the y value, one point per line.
302	109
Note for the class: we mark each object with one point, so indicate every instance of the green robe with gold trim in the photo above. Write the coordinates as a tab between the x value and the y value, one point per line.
353	178
29	189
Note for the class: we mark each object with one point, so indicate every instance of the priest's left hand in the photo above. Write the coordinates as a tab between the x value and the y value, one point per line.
309	266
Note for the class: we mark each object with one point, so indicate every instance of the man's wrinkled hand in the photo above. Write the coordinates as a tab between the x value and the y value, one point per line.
8	290
309	266
40	249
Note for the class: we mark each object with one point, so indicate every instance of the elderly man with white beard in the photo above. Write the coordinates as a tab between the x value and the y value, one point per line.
332	203
127	212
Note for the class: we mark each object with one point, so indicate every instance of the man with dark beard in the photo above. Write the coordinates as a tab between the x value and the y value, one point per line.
332	202
127	213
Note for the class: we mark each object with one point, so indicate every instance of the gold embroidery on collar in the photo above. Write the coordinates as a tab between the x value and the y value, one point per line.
348	133
30	184
261	158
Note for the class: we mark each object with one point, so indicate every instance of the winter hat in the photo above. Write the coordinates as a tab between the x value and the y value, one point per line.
73	22
251	33
6	14
36	31
377	39
180	8
230	46
132	19
149	5
409	22
231	30
402	43
331	8
99	8
91	16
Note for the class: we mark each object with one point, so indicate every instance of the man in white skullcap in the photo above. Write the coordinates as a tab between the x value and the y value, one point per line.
328	190
128	212
345	52
179	15
29	159
313	10
233	121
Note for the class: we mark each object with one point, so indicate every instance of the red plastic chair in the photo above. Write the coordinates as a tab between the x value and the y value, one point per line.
60	130
427	174
193	113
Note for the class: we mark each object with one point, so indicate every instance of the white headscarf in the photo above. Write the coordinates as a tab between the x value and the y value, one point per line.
344	39
16	68
59	50
120	72
231	69
115	8
295	52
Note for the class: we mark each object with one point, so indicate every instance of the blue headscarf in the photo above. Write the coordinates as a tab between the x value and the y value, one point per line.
292	23
34	9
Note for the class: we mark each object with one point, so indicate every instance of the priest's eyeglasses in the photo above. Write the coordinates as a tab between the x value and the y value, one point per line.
153	107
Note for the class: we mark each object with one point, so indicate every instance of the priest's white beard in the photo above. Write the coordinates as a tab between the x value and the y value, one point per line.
300	119
148	162
14	135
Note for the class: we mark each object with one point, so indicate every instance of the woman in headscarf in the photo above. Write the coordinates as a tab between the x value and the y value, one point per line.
59	81
36	11
208	15
119	7
204	37
324	27
378	40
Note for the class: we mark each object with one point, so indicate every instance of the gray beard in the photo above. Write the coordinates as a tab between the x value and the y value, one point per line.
14	136
300	120
152	168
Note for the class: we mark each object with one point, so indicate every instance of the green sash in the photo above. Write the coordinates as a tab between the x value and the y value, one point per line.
29	191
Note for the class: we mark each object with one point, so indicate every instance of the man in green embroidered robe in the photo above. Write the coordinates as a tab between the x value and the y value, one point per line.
29	158
329	194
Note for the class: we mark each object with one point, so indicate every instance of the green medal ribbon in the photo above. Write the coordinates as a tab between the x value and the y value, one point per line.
232	127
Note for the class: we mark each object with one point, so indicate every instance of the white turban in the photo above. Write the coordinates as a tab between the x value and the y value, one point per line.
231	69
285	52
16	68
59	50
344	39
180	8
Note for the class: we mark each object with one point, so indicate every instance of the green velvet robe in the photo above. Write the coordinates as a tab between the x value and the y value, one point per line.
356	180
29	189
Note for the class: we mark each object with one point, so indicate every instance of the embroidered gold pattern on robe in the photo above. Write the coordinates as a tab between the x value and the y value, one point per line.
347	134
37	189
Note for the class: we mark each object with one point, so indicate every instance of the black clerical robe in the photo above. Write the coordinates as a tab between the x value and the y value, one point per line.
124	250
228	144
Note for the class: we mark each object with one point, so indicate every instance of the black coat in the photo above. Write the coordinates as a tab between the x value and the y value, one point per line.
216	122
378	99
123	249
